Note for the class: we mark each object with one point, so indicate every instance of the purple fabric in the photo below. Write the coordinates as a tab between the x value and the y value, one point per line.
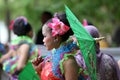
80	60
107	68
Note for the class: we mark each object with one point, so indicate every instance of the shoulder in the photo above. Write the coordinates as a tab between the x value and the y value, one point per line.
70	69
109	62
70	62
107	58
109	67
24	47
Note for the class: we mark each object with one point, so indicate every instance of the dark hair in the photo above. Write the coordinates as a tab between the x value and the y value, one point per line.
21	27
62	17
46	15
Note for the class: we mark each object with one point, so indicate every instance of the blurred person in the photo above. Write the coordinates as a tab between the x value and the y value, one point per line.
46	15
23	48
115	38
107	68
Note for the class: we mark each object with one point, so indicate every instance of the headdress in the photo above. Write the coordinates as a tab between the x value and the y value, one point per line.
19	18
11	24
58	27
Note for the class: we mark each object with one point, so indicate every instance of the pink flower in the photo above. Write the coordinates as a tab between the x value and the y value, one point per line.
11	24
58	27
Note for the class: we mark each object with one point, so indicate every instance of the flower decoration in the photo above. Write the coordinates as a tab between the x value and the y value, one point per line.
58	27
85	23
11	24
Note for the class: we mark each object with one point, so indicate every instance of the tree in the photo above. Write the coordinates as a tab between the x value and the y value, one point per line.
104	14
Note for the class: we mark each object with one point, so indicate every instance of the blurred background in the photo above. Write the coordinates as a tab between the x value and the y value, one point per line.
104	14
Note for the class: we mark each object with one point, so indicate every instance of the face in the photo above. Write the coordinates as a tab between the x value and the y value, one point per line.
48	39
30	34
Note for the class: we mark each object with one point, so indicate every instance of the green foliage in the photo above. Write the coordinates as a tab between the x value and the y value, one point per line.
104	14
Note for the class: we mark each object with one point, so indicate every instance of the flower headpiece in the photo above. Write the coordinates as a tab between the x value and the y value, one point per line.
85	23
11	24
58	27
19	18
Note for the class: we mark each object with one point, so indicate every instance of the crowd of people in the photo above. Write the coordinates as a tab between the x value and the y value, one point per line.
64	61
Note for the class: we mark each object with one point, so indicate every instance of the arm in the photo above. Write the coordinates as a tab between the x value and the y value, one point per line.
70	69
7	55
23	56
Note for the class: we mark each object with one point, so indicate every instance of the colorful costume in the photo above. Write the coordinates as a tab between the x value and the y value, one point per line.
53	68
11	64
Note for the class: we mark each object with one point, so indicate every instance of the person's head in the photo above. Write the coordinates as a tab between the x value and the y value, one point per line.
21	27
93	31
95	34
46	15
56	31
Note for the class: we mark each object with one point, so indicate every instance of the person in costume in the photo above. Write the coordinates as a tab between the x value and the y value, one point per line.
60	63
23	50
107	68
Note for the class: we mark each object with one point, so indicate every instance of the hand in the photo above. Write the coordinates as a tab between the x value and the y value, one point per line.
37	60
37	64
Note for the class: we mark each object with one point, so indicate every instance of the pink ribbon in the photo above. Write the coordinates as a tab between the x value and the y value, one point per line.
58	27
